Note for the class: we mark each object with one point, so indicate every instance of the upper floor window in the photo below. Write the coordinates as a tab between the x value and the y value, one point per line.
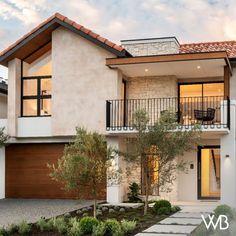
36	96
36	86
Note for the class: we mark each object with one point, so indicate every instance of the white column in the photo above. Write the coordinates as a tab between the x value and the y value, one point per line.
14	82
2	173
228	162
114	188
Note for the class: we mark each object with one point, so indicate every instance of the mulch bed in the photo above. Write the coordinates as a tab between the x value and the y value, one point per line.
143	222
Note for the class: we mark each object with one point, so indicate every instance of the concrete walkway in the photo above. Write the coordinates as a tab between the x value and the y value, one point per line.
31	210
181	223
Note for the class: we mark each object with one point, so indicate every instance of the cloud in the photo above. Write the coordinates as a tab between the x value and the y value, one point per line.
27	12
199	20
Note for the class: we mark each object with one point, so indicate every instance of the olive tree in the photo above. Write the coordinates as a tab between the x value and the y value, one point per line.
163	142
83	165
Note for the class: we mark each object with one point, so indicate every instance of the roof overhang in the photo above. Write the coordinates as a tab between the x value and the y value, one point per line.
205	64
38	41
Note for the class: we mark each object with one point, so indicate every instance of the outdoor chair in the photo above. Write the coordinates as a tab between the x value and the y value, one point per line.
205	116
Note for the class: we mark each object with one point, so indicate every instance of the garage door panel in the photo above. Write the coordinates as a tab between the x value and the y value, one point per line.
27	174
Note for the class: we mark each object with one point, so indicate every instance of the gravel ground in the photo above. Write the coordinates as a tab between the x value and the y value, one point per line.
16	210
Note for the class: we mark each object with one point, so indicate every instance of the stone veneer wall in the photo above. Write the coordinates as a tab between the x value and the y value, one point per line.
152	87
152	47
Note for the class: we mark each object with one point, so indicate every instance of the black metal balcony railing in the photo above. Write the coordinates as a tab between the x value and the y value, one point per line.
211	112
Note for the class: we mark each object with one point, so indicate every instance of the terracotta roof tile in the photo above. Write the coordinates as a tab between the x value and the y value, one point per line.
101	39
94	35
85	30
77	26
68	21
109	43
72	23
228	46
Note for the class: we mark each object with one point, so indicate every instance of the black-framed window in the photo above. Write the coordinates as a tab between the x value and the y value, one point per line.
201	89
36	96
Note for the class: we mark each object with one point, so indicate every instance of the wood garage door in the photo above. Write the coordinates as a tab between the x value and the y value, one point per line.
27	174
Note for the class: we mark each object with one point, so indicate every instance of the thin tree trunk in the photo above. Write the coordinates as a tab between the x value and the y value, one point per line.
94	207
146	186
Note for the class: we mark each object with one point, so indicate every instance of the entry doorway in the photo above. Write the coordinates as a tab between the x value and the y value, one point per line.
209	176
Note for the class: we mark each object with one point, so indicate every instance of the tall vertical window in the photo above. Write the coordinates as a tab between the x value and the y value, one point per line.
36	96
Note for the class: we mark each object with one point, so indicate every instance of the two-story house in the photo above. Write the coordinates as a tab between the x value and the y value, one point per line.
62	75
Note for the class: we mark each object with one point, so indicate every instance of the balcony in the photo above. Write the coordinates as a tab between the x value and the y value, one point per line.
212	112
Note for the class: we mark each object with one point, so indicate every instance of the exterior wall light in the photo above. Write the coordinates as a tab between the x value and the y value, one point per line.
227	156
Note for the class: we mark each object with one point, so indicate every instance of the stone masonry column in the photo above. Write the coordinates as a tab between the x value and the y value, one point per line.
114	187
228	160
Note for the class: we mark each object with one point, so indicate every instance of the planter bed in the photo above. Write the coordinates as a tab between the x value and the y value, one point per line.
107	212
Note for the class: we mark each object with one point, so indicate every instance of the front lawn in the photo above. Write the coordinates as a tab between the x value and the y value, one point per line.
112	220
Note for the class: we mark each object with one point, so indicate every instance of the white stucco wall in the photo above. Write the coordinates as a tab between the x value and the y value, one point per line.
228	162
116	185
2	173
81	83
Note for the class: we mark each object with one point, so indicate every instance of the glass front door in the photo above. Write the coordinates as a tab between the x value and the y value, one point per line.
209	172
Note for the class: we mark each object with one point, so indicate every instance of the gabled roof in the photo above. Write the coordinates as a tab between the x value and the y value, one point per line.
40	36
228	46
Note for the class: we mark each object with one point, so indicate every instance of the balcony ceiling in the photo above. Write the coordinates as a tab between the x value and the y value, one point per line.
186	68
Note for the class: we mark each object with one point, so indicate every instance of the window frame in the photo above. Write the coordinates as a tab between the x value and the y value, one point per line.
38	96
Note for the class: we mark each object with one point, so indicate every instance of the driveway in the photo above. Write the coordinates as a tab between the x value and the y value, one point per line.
16	210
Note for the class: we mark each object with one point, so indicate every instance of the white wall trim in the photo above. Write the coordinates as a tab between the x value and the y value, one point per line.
2	173
34	127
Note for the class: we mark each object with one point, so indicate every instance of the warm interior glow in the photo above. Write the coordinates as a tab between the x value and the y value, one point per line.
210	172
205	172
30	107
206	89
40	67
30	87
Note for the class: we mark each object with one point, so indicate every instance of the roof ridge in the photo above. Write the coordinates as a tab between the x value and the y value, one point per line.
72	23
210	42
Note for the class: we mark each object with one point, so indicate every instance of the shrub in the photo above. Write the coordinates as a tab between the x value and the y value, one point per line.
72	220
161	203
224	210
44	225
99	213
133	194
51	223
111	211
175	209
99	230
163	211
113	227
60	225
3	232
75	229
128	226
201	230
87	223
12	228
24	228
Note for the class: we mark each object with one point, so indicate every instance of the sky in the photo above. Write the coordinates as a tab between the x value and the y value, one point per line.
188	20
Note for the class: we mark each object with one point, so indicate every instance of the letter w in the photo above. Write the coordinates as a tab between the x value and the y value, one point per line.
211	222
